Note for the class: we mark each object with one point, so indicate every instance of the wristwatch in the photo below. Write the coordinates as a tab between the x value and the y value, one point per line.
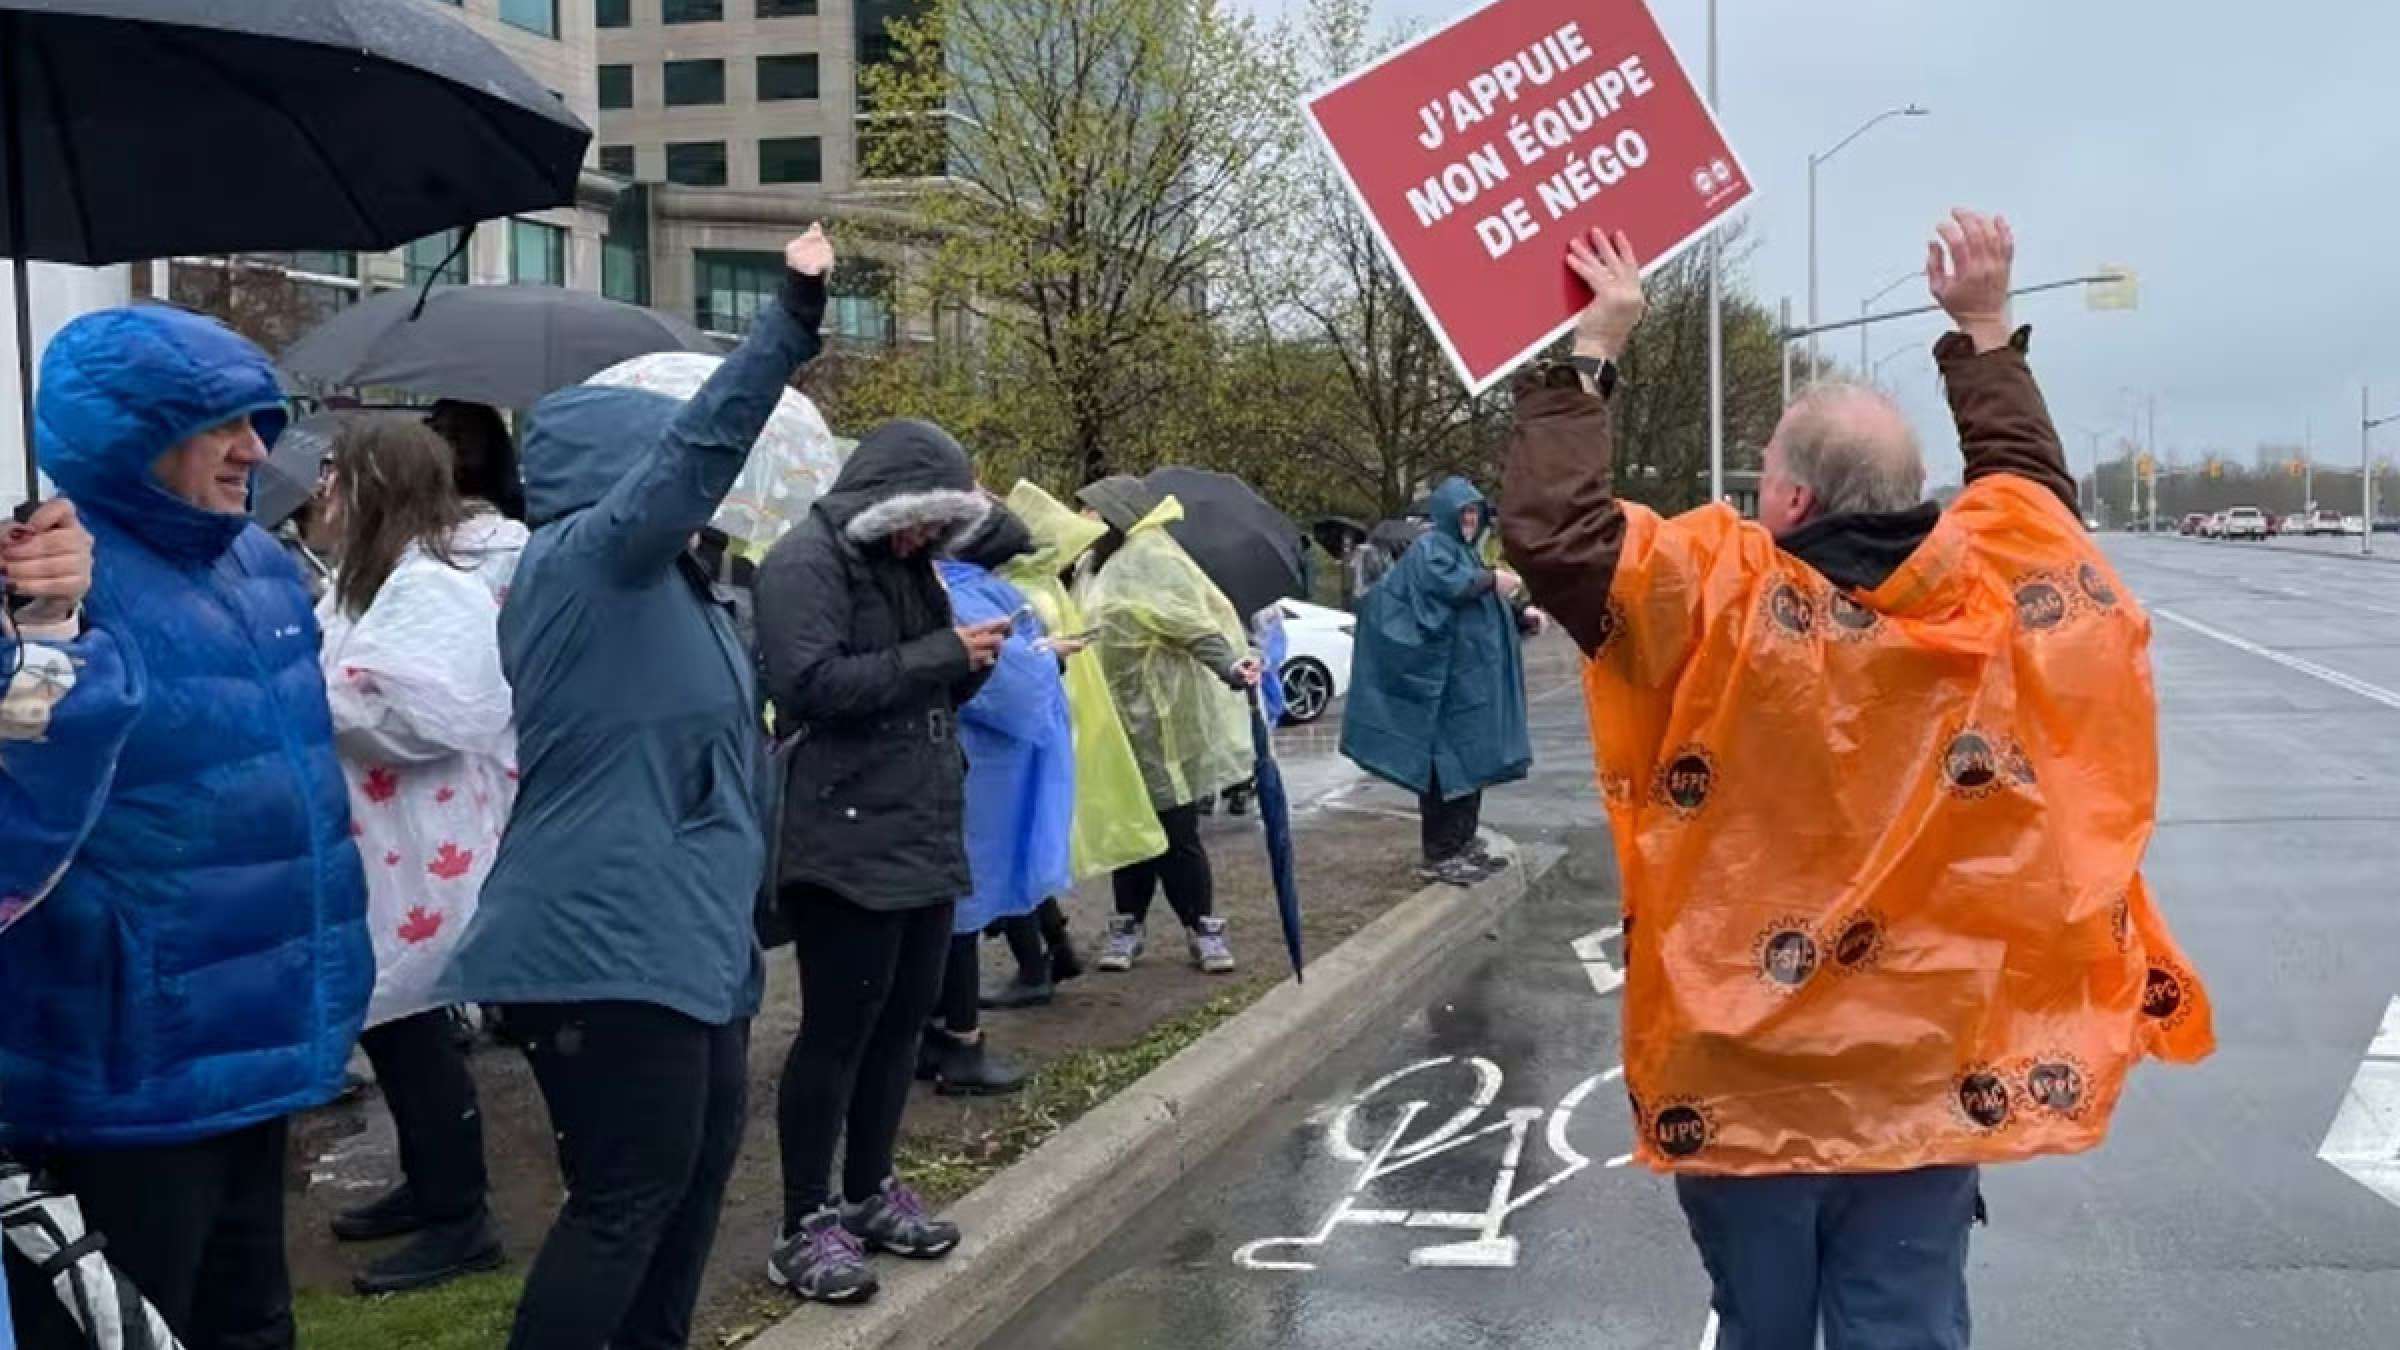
1599	370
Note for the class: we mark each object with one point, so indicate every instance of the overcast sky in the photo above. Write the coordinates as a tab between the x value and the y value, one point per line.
2243	159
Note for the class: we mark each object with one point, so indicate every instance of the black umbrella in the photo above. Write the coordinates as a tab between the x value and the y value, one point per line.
1250	549
502	345
147	128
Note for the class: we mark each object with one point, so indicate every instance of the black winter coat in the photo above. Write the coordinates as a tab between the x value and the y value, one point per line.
862	663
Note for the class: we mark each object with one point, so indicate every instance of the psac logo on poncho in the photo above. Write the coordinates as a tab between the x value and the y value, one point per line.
1978	763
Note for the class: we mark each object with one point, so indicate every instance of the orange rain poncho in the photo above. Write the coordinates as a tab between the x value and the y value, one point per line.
1976	984
1880	850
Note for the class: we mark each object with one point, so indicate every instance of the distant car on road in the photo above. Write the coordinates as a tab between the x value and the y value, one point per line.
2192	524
1316	661
2293	524
2354	525
2324	522
2243	522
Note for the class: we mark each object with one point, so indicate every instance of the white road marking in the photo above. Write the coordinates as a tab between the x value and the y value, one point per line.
1592	950
1708	1334
2364	1140
2374	692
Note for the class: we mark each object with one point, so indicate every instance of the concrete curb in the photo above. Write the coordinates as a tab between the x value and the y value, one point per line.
1034	1221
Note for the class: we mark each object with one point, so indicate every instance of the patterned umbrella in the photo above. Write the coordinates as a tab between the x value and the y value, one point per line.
796	458
96	1303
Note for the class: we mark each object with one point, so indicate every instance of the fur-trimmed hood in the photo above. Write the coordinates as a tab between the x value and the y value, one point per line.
905	473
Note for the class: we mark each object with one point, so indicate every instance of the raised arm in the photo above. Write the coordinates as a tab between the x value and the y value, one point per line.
2003	424
1561	524
651	513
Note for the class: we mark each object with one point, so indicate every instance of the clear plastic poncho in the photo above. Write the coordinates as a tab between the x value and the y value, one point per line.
1114	825
1154	610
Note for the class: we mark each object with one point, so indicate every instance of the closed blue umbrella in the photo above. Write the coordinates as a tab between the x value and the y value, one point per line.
1275	812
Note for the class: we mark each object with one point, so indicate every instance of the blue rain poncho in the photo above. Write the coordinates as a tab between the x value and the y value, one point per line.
1020	749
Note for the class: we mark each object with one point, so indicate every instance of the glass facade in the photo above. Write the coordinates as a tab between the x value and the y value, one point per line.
617	159
625	252
691	11
424	258
534	16
612	13
786	9
858	302
537	253
729	288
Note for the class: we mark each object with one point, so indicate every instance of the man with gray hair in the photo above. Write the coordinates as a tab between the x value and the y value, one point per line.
1881	776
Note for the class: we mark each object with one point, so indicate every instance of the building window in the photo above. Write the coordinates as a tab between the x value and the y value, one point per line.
534	16
691	11
791	159
696	163
617	159
787	77
625	252
729	289
537	253
612	13
616	86
429	259
786	9
315	262
692	83
858	301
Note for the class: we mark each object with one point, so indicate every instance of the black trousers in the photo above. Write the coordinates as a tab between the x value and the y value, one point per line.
1447	828
962	985
868	980
198	1227
1182	869
647	1105
431	1095
1031	938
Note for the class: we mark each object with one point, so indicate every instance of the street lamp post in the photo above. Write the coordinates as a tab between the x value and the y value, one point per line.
1890	286
1716	312
1910	110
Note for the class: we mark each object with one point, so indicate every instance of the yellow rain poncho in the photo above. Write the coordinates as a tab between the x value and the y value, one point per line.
1114	826
1155	611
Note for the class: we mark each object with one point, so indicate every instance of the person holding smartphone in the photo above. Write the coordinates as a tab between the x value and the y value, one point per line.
868	665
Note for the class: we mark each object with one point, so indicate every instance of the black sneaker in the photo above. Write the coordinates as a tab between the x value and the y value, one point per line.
1018	994
822	1262
969	1068
389	1215
1482	856
1065	962
439	1253
894	1220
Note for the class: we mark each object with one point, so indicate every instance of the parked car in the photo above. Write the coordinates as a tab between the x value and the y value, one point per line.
2192	523
2243	522
2324	522
1316	661
2354	525
2293	524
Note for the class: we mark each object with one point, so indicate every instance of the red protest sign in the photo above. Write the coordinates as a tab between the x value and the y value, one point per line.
1478	150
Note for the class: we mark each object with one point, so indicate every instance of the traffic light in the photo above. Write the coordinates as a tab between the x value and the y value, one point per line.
2294	469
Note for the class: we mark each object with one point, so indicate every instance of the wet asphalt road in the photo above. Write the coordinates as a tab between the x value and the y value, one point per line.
2207	1223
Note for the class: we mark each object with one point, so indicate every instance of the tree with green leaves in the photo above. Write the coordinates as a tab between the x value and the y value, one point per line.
1081	172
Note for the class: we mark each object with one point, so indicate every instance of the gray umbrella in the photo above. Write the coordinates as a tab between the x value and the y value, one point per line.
502	345
283	484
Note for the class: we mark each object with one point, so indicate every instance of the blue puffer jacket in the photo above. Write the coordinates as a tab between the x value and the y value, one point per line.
203	965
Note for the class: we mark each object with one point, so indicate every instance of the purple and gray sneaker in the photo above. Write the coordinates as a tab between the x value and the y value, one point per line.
894	1220
822	1262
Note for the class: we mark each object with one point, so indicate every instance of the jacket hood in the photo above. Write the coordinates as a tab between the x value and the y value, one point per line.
121	387
1450	501
1122	500
1060	535
488	532
583	440
904	474
1000	538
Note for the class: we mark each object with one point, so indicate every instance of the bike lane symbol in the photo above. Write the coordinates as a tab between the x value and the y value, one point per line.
1395	1151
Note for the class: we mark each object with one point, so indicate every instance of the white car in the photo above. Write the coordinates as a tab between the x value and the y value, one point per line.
1316	658
2243	522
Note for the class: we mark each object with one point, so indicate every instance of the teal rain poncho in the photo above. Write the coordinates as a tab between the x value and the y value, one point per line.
1437	684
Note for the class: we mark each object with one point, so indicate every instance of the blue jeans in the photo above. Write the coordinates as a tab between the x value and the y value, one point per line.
1879	1259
